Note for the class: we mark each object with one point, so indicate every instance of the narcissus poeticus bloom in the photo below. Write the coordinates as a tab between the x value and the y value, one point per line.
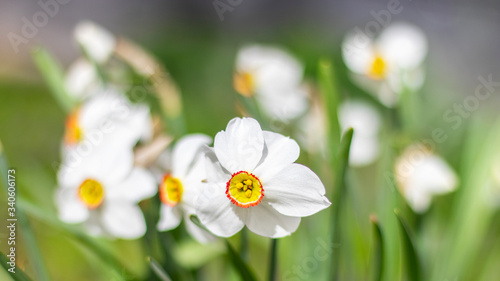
181	185
102	189
252	181
389	63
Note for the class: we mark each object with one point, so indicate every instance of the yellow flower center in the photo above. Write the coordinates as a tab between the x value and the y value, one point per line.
244	83
171	190
378	69
244	189
73	133
91	193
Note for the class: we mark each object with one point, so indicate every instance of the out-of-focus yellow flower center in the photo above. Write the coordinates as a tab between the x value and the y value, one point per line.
244	83
91	193
244	189
171	190
73	133
378	68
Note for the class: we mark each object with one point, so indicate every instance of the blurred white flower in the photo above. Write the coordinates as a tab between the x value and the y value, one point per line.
81	79
102	191
252	180
274	77
97	42
420	175
180	187
105	113
389	63
366	122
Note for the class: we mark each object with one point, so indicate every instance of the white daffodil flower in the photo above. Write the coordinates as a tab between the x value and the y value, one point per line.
180	187
252	180
107	112
102	190
274	77
81	79
420	175
366	122
388	63
97	42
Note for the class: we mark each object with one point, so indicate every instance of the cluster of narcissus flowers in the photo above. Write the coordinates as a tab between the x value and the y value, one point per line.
248	178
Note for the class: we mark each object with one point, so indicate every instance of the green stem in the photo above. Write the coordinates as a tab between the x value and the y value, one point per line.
244	245
273	260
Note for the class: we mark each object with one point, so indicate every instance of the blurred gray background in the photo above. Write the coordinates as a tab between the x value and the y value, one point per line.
464	35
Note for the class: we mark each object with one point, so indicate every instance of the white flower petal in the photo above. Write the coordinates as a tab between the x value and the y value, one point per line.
186	151
81	78
364	150
434	176
418	200
93	225
240	147
123	220
71	209
403	45
217	213
295	191
279	152
215	173
97	42
270	66
197	233
358	51
110	112
283	103
140	184
266	221
108	162
170	217
361	116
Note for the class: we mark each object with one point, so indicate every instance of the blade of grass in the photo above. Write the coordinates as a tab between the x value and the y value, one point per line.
24	226
273	259
54	77
244	271
378	257
158	270
19	275
413	266
337	198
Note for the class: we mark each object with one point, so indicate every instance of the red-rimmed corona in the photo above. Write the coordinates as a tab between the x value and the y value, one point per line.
244	189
